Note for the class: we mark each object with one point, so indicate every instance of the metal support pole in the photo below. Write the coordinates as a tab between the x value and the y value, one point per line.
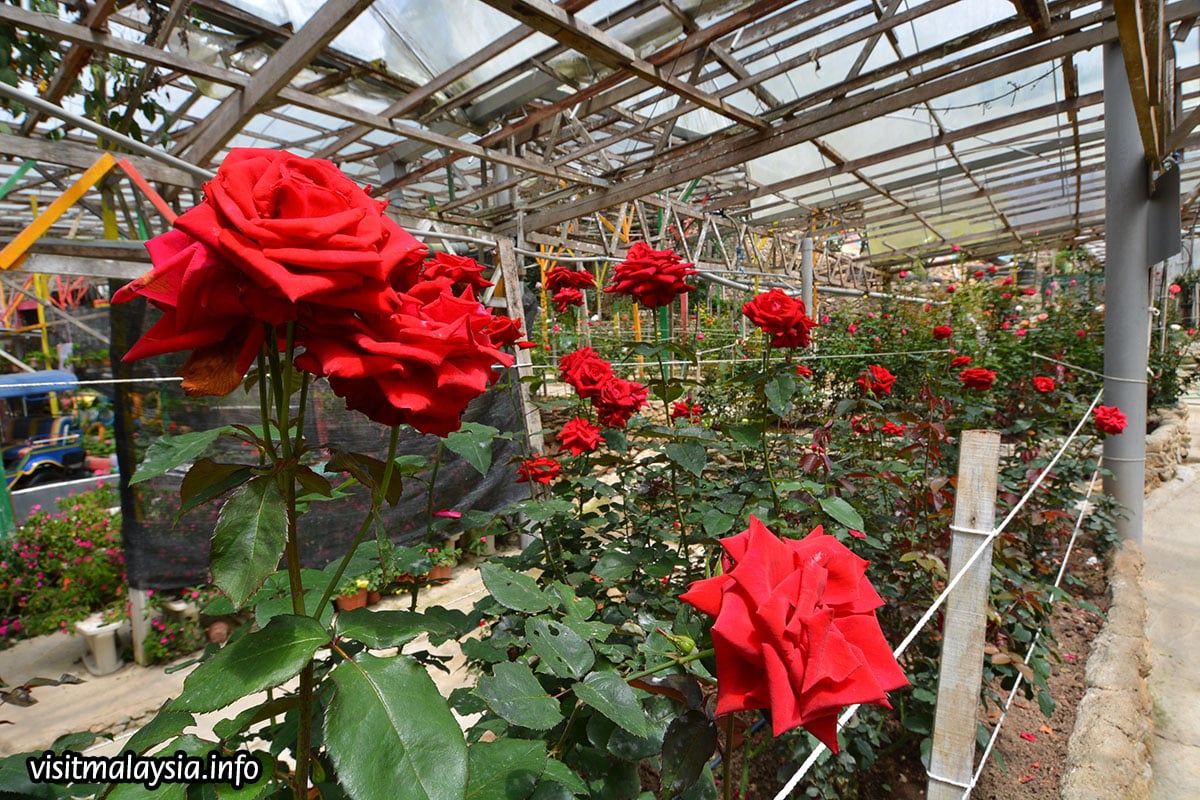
806	274
1126	293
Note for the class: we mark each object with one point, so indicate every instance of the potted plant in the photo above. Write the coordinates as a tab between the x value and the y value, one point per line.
352	593
99	631
375	585
443	558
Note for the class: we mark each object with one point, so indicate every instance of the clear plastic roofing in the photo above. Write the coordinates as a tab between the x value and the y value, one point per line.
910	129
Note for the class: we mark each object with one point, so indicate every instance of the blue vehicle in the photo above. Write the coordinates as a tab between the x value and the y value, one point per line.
39	446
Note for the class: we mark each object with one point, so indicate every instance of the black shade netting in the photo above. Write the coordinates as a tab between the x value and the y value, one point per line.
165	553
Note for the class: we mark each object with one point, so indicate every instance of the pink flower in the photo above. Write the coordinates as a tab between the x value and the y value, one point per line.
1174	288
446	513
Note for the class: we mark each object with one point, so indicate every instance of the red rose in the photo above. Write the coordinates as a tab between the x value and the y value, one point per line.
565	298
960	361
803	371
618	400
942	332
977	378
421	365
1109	419
585	371
1043	384
302	230
580	436
208	306
876	380
781	316
504	330
564	278
684	410
795	631
539	469
892	429
653	277
459	269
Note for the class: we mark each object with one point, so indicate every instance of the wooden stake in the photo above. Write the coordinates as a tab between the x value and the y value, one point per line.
952	761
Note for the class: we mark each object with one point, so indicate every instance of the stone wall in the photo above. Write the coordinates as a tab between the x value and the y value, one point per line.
1166	445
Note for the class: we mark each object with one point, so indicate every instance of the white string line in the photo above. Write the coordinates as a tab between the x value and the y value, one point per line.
951	586
1090	372
1037	636
62	388
754	360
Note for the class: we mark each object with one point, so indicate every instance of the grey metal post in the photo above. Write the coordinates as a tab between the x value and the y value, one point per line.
1126	293
806	274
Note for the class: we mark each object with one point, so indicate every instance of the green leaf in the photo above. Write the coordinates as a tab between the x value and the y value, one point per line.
506	769
558	772
689	455
703	789
168	452
608	693
564	652
516	696
744	434
388	731
312	483
367	471
190	745
687	747
259	660
843	512
15	783
474	443
513	589
580	608
165	725
208	479
1046	703
615	565
249	538
381	629
779	393
716	522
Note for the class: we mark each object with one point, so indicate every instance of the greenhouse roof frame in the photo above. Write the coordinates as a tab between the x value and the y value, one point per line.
916	129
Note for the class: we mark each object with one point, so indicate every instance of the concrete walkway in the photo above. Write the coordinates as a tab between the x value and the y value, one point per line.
118	703
1171	583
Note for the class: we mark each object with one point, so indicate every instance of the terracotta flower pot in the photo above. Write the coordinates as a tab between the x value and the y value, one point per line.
373	597
440	573
348	602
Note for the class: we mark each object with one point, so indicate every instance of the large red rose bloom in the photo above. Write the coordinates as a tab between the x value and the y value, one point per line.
782	317
652	277
795	631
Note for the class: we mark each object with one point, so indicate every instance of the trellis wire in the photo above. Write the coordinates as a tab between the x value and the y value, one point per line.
102	382
744	360
849	713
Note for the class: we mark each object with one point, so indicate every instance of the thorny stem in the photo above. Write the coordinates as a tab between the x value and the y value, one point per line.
286	475
727	762
762	440
683	539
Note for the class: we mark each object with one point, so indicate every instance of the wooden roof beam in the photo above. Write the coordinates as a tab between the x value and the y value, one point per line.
1139	33
1035	12
595	43
72	63
236	110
